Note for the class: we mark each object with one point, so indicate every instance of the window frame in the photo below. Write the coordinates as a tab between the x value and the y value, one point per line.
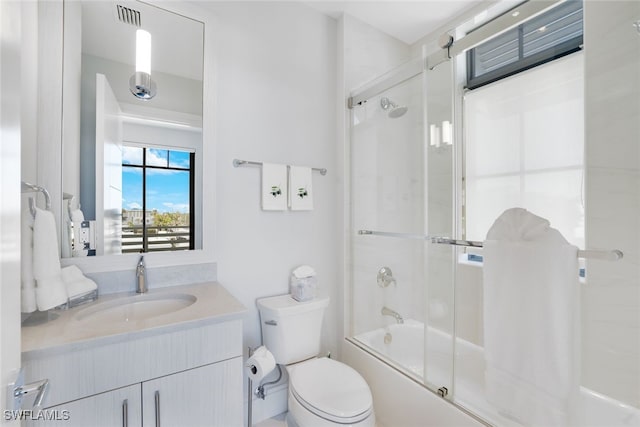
523	62
144	167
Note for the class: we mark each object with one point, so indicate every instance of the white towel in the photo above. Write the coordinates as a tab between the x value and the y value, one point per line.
531	320
76	218
274	187
300	189
28	291
77	283
50	290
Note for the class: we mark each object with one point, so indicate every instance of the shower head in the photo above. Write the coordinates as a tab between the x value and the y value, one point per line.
393	109
397	112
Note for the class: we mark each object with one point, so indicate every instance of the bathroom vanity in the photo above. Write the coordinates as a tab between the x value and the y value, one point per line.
170	357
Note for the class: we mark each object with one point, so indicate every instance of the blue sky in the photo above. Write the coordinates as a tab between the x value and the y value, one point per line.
167	190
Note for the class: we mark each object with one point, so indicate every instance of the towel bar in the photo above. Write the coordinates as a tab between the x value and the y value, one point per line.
32	188
612	255
237	163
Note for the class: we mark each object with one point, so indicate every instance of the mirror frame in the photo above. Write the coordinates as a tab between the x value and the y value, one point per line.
106	263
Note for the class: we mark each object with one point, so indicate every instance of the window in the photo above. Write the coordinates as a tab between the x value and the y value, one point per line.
158	199
524	146
551	35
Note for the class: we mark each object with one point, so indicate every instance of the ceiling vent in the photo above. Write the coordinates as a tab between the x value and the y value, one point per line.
126	15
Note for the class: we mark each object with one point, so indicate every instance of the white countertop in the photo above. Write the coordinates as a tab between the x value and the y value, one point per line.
213	304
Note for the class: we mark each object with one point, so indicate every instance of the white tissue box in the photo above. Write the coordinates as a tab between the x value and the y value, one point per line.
303	288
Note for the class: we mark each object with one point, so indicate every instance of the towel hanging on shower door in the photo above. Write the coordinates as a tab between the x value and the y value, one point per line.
531	320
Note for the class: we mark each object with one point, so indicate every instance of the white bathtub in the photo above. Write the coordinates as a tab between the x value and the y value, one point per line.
404	349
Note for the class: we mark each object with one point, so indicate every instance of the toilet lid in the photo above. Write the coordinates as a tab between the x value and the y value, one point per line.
331	390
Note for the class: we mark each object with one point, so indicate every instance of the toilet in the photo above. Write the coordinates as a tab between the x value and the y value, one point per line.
322	392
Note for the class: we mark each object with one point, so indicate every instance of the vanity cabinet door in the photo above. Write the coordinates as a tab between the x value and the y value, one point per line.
210	395
120	407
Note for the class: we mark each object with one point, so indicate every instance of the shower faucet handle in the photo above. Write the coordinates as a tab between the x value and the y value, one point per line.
385	277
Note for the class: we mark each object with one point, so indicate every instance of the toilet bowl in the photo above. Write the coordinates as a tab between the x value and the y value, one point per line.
322	392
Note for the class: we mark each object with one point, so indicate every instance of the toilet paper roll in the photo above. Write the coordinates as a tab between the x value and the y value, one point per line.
261	364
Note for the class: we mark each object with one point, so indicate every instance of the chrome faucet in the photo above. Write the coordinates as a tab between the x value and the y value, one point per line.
141	277
388	312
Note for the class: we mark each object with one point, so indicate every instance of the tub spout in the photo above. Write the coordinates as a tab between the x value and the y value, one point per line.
388	312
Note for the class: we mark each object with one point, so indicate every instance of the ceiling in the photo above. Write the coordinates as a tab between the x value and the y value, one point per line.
407	21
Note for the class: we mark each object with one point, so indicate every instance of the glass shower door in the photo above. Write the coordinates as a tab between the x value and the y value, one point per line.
400	281
439	263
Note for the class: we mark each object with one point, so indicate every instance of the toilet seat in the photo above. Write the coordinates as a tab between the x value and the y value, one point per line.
331	390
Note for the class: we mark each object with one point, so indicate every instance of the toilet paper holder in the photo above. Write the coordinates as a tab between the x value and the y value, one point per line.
260	392
254	369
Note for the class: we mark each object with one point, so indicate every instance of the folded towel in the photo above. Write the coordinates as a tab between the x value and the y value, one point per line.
531	320
50	290
300	190
50	293
77	283
76	218
28	291
517	224
274	187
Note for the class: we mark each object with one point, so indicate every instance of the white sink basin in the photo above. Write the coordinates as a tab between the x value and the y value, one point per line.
133	308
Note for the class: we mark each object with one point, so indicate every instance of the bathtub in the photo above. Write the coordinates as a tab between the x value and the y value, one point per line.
402	346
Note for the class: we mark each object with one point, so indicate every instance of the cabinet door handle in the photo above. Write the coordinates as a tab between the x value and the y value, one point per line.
125	413
157	408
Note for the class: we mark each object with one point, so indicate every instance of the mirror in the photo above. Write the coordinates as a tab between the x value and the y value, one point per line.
131	167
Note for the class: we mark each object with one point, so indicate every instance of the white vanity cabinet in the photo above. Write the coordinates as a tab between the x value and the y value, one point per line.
183	373
205	396
120	407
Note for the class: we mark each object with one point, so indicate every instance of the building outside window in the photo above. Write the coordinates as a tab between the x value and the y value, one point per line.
158	199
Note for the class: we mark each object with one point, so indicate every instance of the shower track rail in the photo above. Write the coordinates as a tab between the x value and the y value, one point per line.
606	255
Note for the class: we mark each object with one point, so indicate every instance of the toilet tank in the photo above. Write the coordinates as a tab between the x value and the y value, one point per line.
291	329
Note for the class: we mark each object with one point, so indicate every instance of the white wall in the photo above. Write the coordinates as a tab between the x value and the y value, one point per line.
611	298
275	80
29	101
12	21
369	53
